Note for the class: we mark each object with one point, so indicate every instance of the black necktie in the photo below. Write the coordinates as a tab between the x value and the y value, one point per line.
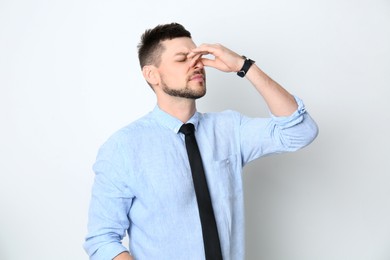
211	243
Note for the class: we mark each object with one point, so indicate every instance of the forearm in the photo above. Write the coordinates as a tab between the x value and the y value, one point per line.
279	101
123	256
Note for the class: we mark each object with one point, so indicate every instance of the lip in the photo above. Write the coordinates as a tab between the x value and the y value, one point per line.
197	77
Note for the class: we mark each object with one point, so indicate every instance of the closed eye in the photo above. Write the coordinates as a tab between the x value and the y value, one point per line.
181	57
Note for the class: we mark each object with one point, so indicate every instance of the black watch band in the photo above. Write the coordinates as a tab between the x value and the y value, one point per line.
247	64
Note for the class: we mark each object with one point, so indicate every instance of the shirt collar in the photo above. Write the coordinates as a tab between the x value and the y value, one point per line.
172	122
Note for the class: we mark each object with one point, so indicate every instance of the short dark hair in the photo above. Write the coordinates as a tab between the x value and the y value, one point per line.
150	47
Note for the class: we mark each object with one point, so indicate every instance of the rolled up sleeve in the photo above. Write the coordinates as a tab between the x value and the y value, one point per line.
264	136
110	205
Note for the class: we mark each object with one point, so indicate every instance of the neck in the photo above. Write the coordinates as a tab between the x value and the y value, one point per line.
181	108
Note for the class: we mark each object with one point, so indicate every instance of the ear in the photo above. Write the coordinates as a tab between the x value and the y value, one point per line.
151	74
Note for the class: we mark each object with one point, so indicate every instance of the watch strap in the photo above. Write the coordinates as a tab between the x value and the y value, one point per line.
247	64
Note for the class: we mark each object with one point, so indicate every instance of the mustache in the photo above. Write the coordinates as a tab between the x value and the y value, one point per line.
198	72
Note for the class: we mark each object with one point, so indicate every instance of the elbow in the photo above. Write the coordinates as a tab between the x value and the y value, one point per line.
301	135
312	133
309	134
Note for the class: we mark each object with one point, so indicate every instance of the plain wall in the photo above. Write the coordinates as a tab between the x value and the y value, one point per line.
69	77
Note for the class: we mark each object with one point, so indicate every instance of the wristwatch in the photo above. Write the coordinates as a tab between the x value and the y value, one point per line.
247	64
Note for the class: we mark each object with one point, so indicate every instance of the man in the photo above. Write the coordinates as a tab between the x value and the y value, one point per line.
145	183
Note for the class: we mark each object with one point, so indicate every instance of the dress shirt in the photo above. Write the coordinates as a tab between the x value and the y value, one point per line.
143	182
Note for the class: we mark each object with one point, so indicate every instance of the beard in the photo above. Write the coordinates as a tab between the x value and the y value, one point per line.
187	92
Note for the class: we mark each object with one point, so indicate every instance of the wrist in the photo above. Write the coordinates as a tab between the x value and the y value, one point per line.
245	67
240	63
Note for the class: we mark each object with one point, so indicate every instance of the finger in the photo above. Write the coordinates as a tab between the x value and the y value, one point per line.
193	54
205	49
216	64
208	62
194	58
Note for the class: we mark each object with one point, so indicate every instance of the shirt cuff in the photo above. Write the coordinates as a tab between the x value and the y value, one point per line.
293	119
109	251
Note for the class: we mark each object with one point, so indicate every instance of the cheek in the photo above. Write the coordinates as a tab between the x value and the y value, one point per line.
174	76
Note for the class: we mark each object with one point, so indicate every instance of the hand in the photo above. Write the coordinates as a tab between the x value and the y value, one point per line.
224	59
123	256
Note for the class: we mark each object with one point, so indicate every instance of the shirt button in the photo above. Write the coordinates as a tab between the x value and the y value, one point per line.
227	162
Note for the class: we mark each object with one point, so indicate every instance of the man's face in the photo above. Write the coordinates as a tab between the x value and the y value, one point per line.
178	78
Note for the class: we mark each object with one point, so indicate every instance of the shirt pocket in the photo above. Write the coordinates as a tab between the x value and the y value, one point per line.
228	176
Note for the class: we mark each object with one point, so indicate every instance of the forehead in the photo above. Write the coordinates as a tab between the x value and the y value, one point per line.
177	45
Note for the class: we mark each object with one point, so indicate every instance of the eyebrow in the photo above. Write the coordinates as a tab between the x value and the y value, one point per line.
182	54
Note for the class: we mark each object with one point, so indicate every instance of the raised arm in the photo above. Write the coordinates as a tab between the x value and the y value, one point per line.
279	100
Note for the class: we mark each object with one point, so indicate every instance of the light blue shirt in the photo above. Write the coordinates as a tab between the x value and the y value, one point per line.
143	182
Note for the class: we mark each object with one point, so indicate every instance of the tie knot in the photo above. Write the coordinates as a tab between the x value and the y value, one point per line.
187	129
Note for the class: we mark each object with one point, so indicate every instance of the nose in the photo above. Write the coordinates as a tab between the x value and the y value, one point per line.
197	62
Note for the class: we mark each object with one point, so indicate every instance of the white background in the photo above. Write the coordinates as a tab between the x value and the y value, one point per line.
69	77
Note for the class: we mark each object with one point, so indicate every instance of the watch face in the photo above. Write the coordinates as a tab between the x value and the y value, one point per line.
241	73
